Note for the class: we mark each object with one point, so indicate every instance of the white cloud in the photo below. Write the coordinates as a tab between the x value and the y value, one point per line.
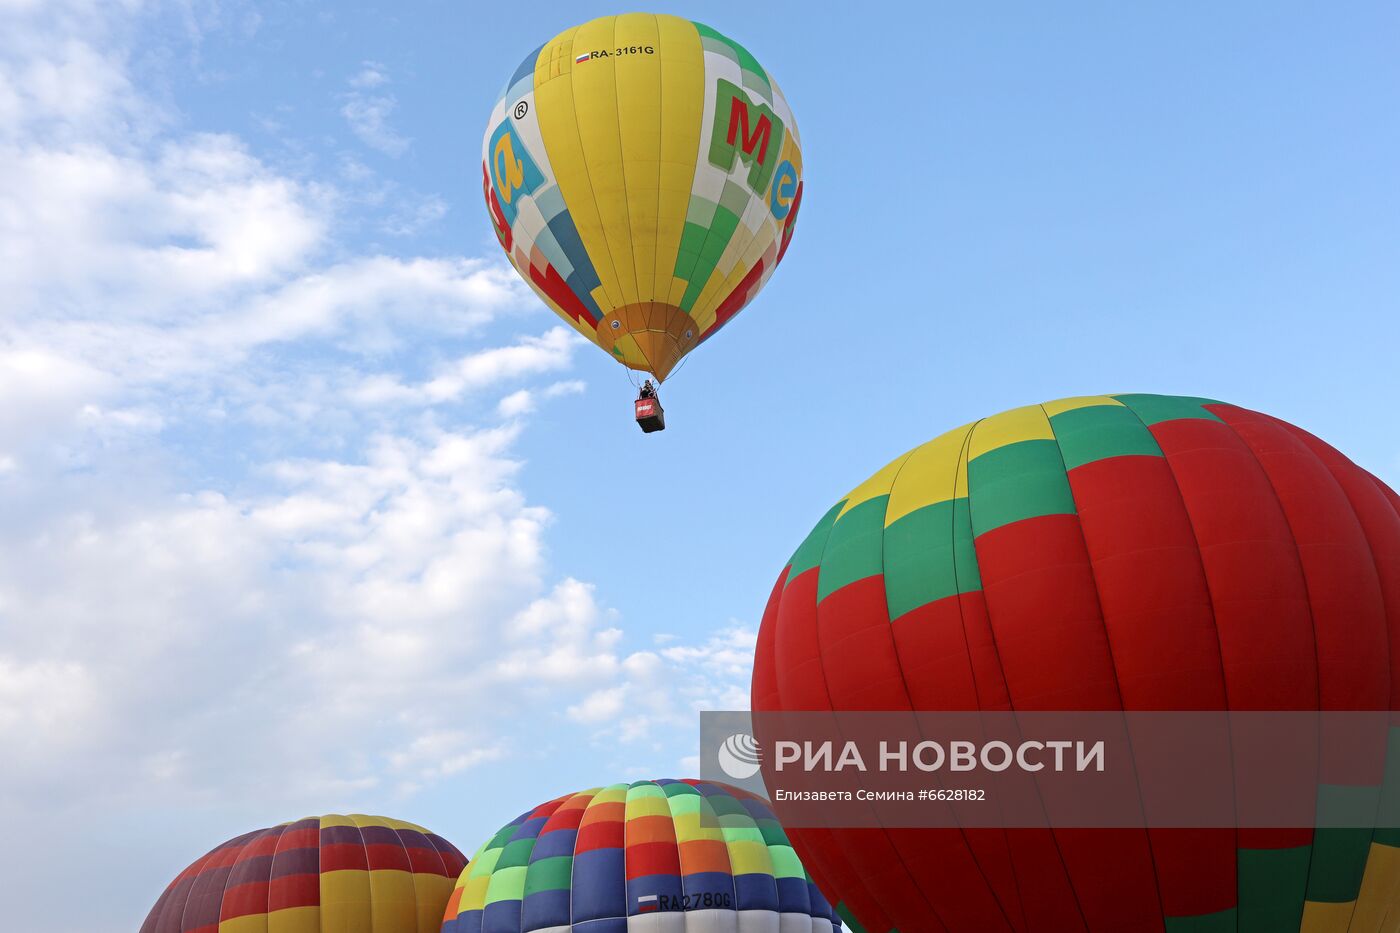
243	527
529	356
368	111
371	74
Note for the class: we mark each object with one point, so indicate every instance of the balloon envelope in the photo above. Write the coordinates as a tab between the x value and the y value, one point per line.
315	875
654	855
1136	552
643	172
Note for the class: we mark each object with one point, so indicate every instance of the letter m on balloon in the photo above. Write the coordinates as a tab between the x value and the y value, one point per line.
750	131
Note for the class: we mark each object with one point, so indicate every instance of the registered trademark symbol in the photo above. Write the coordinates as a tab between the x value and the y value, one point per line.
521	109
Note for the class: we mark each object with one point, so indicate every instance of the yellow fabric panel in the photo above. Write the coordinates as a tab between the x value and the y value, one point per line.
638	79
1060	406
1323	917
699	825
474	893
253	923
747	857
613	793
393	901
631	354
430	899
345	901
554	108
1019	424
294	920
647	805
1378	905
937	472
682	110
335	819
877	485
556	57
596	122
399	824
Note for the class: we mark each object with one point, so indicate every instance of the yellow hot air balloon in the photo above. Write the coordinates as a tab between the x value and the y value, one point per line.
643	173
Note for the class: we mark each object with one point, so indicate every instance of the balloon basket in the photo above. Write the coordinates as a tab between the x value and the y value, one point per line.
650	415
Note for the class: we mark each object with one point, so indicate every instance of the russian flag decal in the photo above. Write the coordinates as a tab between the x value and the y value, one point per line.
646	903
583	58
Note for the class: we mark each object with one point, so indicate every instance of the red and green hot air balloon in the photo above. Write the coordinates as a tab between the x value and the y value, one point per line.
328	874
1136	552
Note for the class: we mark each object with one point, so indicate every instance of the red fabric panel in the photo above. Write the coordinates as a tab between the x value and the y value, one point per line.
652	858
936	873
1381	526
293	882
785	621
244	900
1157	613
1255	578
343	856
1344	592
1043	604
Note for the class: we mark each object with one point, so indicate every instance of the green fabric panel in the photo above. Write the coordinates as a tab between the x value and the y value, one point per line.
1339	855
740	829
1019	481
969	575
1220	922
507	884
1271	885
850	919
484	863
720	231
516	853
725	805
734	199
681	804
809	552
1388	820
549	874
1154	409
502	836
1087	435
854	549
746	61
692	241
786	864
923	551
773	833
680	788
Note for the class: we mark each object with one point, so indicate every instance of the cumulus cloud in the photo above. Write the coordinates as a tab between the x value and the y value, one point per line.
367	109
161	587
244	529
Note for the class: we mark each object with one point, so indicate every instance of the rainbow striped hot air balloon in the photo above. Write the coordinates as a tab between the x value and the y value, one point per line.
321	874
643	172
654	855
1135	552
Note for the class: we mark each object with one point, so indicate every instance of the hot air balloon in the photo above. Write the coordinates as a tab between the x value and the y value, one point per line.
643	172
321	874
653	855
1136	552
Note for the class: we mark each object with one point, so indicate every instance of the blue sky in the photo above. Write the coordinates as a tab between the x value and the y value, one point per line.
310	507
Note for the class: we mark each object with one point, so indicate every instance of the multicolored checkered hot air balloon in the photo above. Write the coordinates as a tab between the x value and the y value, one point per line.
663	856
644	173
317	875
1134	552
